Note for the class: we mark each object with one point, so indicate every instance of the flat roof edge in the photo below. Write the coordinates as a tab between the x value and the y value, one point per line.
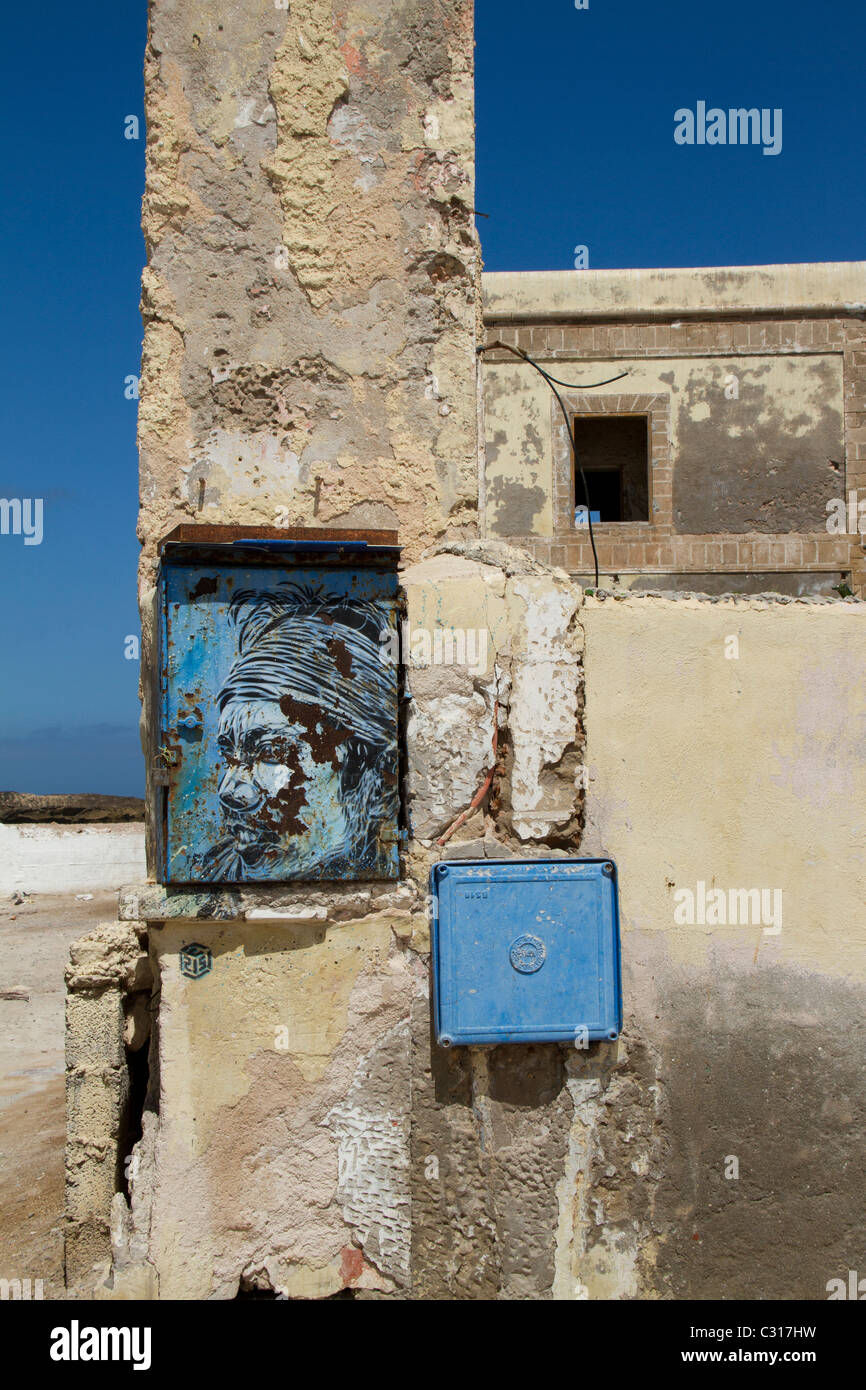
820	287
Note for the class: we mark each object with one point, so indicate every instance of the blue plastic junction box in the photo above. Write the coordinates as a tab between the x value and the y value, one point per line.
526	951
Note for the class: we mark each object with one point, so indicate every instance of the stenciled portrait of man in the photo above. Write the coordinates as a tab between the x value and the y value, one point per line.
308	773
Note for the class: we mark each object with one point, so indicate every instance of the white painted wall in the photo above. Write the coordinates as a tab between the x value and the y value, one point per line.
70	858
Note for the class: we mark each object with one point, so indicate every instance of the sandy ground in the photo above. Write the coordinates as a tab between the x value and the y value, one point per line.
34	945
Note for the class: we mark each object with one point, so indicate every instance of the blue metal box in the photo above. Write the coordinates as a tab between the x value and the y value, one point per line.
278	746
526	951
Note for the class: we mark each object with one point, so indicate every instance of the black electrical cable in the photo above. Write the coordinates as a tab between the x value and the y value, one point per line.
553	382
571	385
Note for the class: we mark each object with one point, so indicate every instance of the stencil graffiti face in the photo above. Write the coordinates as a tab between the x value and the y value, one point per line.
273	785
305	739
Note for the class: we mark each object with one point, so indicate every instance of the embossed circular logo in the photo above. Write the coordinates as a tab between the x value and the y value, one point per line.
527	954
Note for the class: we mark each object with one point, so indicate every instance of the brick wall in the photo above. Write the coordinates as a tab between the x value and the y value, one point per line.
633	548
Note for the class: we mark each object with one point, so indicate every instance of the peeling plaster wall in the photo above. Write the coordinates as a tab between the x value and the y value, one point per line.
311	293
767	461
312	290
282	1114
524	618
518	451
308	1136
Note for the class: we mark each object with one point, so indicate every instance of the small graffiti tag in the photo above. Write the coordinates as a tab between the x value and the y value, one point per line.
195	961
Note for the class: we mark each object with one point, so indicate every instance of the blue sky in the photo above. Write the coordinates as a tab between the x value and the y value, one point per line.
575	121
575	116
71	254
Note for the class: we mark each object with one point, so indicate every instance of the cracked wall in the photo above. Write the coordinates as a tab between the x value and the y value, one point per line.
312	1139
311	292
767	460
313	281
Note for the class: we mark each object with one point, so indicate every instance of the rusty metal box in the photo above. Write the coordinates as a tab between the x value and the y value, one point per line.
278	749
526	951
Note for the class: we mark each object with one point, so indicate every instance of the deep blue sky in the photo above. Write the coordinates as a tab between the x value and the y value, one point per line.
575	146
575	132
70	261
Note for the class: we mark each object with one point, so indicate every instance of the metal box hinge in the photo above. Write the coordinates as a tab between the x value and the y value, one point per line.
392	836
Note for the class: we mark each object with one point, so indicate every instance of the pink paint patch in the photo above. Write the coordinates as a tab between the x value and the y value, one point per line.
352	57
351	1264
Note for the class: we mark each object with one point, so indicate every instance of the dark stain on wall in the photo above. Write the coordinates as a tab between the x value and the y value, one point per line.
484	1215
529	1114
766	1067
516	506
454	1251
765	477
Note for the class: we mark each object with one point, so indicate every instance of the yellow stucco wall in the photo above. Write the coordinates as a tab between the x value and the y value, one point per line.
736	771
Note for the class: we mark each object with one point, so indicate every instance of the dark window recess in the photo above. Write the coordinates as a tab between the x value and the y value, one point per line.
614	453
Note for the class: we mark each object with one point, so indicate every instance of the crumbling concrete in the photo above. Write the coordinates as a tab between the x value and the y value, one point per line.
327	1142
320	167
283	1115
108	983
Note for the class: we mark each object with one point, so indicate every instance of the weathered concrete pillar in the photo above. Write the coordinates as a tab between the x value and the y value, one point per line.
312	289
311	303
107	980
